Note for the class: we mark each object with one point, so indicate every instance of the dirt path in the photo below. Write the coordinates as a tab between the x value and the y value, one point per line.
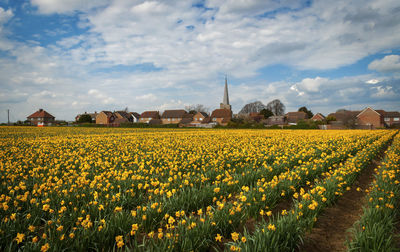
331	229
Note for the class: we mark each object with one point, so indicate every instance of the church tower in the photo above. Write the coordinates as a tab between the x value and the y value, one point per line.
225	101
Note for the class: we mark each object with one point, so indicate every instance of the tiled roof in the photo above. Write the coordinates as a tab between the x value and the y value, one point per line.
392	114
177	113
41	114
123	114
136	115
186	120
294	117
221	113
150	114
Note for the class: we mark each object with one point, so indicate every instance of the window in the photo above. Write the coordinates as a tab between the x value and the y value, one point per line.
201	119
396	119
387	119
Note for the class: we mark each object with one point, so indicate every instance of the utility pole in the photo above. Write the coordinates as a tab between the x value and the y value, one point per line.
8	117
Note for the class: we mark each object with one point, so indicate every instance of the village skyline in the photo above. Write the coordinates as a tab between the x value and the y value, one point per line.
90	56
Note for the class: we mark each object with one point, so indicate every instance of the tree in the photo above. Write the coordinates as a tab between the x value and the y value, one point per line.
308	112
85	118
193	109
254	107
276	107
266	113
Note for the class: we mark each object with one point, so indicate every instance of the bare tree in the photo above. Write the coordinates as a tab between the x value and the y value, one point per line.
193	109
254	107
276	107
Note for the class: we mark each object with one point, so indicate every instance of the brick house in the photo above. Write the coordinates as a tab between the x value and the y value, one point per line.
371	118
221	116
122	117
391	118
318	117
257	117
201	117
294	117
105	118
147	116
41	118
173	116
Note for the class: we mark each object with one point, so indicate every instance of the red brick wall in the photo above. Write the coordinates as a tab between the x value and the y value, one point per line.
370	117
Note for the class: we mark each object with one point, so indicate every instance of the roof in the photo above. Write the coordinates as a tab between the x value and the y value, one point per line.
123	114
41	114
392	114
177	113
379	112
206	120
108	113
221	113
318	115
150	114
204	114
136	115
296	116
344	115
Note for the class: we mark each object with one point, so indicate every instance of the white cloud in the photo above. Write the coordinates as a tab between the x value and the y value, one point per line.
390	63
384	92
100	96
373	81
147	97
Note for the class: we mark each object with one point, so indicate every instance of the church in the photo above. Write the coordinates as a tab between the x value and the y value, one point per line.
223	115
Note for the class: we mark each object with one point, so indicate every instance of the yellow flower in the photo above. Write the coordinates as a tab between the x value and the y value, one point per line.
235	236
35	239
217	189
71	235
45	247
19	238
31	228
243	239
271	227
218	237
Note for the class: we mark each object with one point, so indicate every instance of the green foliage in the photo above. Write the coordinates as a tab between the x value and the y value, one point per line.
308	112
266	113
85	118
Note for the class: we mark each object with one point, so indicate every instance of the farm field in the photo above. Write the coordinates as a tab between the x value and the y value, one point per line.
104	189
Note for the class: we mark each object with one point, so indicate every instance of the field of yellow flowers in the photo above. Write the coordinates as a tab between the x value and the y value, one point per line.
168	189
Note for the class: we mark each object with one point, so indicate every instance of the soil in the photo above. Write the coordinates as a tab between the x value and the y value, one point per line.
332	227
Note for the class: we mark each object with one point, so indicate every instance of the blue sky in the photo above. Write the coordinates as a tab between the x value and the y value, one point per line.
69	57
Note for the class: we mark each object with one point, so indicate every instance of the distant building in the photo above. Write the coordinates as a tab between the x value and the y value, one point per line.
41	118
294	117
105	118
225	101
201	117
147	116
221	116
173	116
318	117
135	117
276	120
391	118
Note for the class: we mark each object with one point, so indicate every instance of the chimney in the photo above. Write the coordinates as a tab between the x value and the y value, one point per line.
40	110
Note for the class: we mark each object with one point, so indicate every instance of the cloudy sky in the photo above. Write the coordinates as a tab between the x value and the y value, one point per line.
73	56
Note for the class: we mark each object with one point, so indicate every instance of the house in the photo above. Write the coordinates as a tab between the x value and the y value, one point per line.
370	117
122	117
147	116
294	117
276	120
155	122
391	118
41	118
92	115
318	117
135	117
344	117
221	116
201	117
105	118
173	116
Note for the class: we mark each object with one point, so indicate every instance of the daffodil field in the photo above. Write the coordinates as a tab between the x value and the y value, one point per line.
79	189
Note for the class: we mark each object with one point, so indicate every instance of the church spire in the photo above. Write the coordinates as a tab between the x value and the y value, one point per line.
225	101
226	97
